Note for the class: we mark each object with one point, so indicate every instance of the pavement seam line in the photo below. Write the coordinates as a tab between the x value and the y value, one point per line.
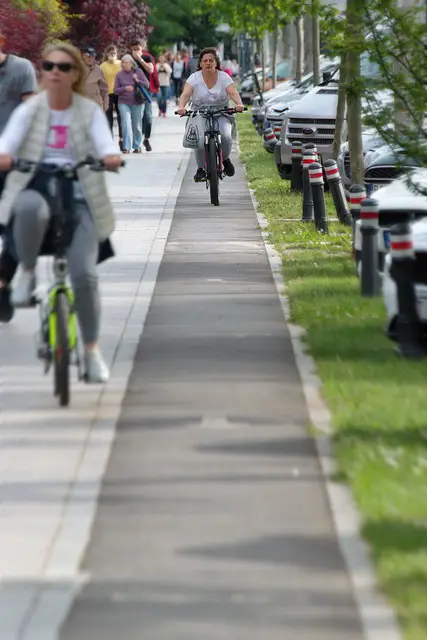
377	617
167	214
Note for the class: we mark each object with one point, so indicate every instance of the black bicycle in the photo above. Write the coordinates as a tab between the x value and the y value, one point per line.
58	339
214	168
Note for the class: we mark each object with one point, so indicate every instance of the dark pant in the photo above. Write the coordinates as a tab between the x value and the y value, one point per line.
147	119
8	264
162	99
177	87
113	104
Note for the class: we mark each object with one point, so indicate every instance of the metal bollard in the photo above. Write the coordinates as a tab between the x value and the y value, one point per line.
357	194
370	277
315	173
269	135
296	174
409	331
337	191
310	146
308	158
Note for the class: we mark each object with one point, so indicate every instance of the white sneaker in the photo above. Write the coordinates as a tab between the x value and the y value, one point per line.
96	369
22	293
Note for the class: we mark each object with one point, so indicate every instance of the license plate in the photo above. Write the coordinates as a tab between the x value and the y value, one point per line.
386	236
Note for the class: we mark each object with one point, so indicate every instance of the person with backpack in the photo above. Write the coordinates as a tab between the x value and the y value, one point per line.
147	64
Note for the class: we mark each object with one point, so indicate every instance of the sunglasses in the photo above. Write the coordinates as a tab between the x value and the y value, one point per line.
64	67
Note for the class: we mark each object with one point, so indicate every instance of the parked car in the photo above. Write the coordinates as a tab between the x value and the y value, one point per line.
371	141
248	88
311	119
395	199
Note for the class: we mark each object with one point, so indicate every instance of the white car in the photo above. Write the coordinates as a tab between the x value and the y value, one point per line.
394	200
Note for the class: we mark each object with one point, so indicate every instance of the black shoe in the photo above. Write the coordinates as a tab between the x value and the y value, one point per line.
147	145
228	168
137	150
6	307
200	175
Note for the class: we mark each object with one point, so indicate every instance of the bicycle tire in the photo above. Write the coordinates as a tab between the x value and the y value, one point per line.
61	357
213	172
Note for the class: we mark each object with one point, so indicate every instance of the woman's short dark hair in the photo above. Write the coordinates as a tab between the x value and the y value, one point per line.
211	51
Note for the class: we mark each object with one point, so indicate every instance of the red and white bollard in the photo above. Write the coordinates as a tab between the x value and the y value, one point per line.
337	191
370	277
308	157
269	136
315	172
409	331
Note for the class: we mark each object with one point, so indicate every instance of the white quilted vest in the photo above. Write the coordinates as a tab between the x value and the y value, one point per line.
93	184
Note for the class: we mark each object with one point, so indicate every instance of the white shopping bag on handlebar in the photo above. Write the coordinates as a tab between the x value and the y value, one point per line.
194	136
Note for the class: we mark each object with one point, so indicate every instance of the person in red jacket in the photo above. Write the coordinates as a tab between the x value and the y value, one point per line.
147	64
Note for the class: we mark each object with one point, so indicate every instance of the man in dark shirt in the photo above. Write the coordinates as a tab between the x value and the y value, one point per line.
146	63
17	83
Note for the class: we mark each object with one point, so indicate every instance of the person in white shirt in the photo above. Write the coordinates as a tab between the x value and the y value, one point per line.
177	76
164	72
60	126
211	87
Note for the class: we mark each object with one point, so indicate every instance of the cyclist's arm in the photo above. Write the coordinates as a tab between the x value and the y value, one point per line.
185	95
234	95
104	143
13	135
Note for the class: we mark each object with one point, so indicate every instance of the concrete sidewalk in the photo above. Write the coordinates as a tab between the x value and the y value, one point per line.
52	460
213	522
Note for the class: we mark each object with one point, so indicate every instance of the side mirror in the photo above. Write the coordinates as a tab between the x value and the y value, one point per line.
326	76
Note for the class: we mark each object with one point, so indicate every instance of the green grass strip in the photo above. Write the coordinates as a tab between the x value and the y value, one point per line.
378	401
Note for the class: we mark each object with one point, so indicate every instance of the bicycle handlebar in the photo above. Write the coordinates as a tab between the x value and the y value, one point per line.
67	170
210	111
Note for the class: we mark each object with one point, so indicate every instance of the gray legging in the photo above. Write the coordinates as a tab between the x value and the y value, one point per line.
30	222
225	128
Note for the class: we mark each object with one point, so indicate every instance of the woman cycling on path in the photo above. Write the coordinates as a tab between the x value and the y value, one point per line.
211	87
59	126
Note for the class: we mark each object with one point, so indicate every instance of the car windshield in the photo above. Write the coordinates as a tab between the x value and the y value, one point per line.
369	69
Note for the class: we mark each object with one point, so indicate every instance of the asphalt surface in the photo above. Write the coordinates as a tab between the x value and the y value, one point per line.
212	521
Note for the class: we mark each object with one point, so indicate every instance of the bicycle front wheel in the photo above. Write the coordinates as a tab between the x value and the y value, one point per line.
62	349
213	172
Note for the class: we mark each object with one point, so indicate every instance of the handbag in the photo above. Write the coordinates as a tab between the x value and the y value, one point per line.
194	135
137	93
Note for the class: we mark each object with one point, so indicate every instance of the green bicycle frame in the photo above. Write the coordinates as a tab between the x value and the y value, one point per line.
72	323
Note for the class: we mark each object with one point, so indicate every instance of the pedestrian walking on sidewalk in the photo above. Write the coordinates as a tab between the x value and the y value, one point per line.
110	68
177	76
59	126
164	72
96	87
147	64
131	110
18	82
211	87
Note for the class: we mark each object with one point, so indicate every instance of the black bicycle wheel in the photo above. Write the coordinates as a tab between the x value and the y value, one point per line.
61	357
213	172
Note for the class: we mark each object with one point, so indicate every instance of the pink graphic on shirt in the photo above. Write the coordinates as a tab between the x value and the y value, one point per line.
58	137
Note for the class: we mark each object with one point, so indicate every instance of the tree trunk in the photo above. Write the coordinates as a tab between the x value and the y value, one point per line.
274	61
354	111
308	44
316	48
340	119
300	48
262	65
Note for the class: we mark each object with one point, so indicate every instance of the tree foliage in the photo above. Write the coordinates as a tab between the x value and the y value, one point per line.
182	21
24	30
99	23
52	13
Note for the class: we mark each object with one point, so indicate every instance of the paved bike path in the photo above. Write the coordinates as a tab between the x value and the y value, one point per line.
213	523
